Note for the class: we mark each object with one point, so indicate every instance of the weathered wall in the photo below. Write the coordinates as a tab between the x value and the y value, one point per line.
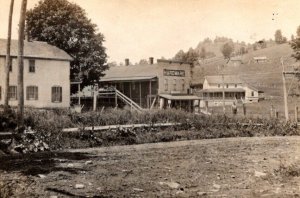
48	73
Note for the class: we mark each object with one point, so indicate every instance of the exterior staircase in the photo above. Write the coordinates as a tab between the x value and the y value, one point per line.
119	95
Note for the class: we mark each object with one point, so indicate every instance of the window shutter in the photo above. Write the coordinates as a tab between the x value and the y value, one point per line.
36	93
60	94
53	94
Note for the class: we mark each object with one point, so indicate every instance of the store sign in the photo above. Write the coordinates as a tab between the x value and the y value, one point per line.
168	72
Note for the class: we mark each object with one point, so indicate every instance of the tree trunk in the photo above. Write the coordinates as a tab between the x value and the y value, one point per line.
21	66
8	60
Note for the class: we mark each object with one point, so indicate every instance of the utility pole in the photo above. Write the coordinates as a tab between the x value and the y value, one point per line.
21	66
223	87
223	90
8	60
286	111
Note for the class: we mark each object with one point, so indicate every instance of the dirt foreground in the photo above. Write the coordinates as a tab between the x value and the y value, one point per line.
232	167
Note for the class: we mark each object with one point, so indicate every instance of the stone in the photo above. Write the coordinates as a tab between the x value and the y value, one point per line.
201	193
42	176
259	174
88	162
172	185
79	186
138	189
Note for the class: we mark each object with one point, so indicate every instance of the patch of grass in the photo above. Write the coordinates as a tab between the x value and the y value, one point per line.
287	170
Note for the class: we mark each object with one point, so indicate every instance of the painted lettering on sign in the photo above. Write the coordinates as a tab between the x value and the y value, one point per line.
168	72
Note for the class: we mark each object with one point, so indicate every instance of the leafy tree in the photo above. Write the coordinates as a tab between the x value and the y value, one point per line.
180	56
202	53
295	44
143	62
298	31
278	37
192	56
292	37
66	26
227	50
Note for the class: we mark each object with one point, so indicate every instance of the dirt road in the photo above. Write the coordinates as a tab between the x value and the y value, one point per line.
233	167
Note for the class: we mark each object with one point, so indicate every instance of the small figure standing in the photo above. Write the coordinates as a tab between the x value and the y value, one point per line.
234	108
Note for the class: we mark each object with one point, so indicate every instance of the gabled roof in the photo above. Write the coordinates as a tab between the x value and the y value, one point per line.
35	49
131	72
228	79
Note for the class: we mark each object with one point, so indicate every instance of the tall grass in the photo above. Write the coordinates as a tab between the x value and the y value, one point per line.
49	124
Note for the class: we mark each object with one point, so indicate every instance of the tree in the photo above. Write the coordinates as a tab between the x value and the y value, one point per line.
21	66
202	53
143	62
66	26
278	37
227	50
292	37
8	59
295	45
180	56
298	31
192	56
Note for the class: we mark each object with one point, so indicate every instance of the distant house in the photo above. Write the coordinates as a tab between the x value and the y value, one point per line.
260	59
165	83
233	87
46	75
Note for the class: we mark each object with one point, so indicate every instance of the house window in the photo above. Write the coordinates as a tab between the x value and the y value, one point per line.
252	93
174	84
56	94
32	66
32	93
166	85
227	85
235	85
182	84
12	93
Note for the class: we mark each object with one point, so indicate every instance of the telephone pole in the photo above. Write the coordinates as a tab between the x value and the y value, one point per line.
286	111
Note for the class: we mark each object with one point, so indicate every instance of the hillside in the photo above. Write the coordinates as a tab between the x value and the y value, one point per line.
264	76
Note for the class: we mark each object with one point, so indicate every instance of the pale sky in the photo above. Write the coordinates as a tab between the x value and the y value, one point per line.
137	29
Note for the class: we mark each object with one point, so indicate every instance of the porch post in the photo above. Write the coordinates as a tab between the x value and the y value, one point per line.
79	99
150	93
140	92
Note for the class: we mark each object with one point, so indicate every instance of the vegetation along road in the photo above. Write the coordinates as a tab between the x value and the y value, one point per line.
232	167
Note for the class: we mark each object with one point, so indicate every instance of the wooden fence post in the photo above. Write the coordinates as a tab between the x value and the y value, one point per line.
95	97
244	109
296	113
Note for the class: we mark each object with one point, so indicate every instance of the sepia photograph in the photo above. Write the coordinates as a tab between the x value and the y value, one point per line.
149	98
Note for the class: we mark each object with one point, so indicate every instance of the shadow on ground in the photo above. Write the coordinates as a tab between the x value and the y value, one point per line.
41	163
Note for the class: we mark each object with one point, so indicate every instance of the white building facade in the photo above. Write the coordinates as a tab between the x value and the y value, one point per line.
233	87
46	75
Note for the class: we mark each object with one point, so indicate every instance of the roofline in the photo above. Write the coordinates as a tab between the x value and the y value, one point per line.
41	58
173	61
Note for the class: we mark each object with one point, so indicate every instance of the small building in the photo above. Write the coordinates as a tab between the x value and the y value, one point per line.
260	59
165	84
232	86
46	75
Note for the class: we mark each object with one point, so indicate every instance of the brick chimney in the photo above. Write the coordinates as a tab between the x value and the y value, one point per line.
126	61
151	60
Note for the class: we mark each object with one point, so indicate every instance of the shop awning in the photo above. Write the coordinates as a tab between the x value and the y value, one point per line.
234	90
130	78
179	97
